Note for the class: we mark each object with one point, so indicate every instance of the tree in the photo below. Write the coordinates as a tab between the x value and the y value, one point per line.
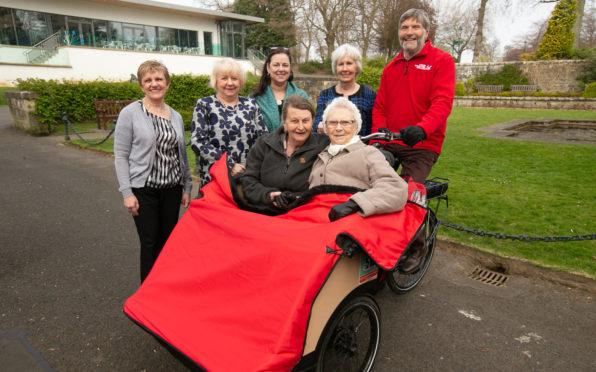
588	33
526	44
456	29
577	27
579	22
366	14
479	29
387	25
278	29
333	19
558	39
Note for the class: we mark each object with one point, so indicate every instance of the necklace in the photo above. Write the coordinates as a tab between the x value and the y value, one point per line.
161	110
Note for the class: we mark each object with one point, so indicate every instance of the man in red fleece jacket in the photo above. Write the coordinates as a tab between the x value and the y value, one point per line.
415	98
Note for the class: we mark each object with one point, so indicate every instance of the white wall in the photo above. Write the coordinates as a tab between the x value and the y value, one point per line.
106	64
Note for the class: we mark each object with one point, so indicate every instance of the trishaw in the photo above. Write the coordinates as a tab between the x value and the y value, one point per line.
235	290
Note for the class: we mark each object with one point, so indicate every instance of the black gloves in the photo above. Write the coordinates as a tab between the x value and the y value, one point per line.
412	135
344	209
284	199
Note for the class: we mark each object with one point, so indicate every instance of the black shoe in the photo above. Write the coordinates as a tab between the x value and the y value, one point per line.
414	259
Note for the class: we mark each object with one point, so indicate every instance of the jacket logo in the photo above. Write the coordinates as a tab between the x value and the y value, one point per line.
422	66
302	161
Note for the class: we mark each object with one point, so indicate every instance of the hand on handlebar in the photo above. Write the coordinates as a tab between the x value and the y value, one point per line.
342	210
412	134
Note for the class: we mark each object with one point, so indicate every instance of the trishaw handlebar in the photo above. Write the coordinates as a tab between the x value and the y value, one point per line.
383	134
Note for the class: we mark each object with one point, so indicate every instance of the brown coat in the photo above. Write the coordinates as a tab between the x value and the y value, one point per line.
362	166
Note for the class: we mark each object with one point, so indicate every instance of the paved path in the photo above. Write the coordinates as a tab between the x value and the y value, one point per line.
69	261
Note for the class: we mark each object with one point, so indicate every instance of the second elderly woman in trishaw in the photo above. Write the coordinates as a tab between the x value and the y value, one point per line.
348	161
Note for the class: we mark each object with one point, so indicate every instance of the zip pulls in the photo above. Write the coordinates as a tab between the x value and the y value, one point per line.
406	70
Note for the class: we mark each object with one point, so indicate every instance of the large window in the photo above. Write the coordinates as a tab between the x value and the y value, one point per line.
233	34
26	28
30	27
7	31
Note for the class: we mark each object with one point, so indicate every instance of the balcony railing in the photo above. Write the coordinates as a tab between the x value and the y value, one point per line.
43	50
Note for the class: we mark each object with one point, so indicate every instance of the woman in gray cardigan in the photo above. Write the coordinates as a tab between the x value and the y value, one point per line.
151	163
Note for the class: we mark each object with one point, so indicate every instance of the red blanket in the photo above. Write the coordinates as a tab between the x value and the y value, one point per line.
232	289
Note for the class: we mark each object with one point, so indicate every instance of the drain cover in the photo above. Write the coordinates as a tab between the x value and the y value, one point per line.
488	277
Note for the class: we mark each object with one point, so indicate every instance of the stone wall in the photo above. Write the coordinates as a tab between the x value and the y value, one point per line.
550	103
21	105
314	84
550	76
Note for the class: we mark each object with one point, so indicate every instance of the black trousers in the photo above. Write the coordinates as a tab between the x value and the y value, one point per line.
158	214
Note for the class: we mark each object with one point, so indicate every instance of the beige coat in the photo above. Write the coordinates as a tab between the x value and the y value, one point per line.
362	166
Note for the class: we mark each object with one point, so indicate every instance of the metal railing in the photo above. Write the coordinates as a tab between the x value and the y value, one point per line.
256	58
43	50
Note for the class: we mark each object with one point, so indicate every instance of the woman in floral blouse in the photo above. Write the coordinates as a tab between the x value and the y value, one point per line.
224	122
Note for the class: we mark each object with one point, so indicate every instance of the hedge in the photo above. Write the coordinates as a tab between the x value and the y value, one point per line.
76	97
590	91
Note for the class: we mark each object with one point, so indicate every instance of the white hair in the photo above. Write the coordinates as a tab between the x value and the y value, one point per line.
230	66
345	103
346	50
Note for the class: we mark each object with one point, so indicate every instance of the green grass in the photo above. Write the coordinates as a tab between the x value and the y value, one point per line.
108	146
520	188
515	187
3	101
86	127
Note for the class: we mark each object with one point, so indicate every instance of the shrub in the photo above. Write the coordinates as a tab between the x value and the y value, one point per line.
371	77
76	98
310	67
377	62
470	85
307	68
589	74
590	91
510	74
557	41
460	89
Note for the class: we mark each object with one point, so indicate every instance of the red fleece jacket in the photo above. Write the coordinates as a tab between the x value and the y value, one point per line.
417	92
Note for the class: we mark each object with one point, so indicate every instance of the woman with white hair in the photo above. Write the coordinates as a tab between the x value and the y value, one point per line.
346	63
349	162
224	122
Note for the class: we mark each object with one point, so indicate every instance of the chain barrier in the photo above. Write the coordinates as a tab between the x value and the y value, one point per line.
523	238
68	124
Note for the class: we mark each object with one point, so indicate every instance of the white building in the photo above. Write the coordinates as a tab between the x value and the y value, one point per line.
108	39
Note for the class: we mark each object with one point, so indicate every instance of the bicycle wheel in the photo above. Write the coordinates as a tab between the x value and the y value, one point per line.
400	282
352	337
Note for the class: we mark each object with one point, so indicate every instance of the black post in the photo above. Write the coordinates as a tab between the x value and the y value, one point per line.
65	121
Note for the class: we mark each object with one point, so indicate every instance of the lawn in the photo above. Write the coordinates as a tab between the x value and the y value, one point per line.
520	188
108	145
515	187
3	101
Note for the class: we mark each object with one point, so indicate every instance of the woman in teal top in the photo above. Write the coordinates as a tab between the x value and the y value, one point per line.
275	85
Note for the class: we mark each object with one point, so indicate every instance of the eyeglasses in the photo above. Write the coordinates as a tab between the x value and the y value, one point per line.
343	123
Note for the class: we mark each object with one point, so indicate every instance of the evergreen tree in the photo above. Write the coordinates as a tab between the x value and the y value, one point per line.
557	42
278	29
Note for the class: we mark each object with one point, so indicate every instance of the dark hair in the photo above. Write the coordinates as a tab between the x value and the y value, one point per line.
265	78
297	102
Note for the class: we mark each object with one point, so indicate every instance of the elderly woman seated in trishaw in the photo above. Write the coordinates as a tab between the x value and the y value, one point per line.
348	161
279	164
